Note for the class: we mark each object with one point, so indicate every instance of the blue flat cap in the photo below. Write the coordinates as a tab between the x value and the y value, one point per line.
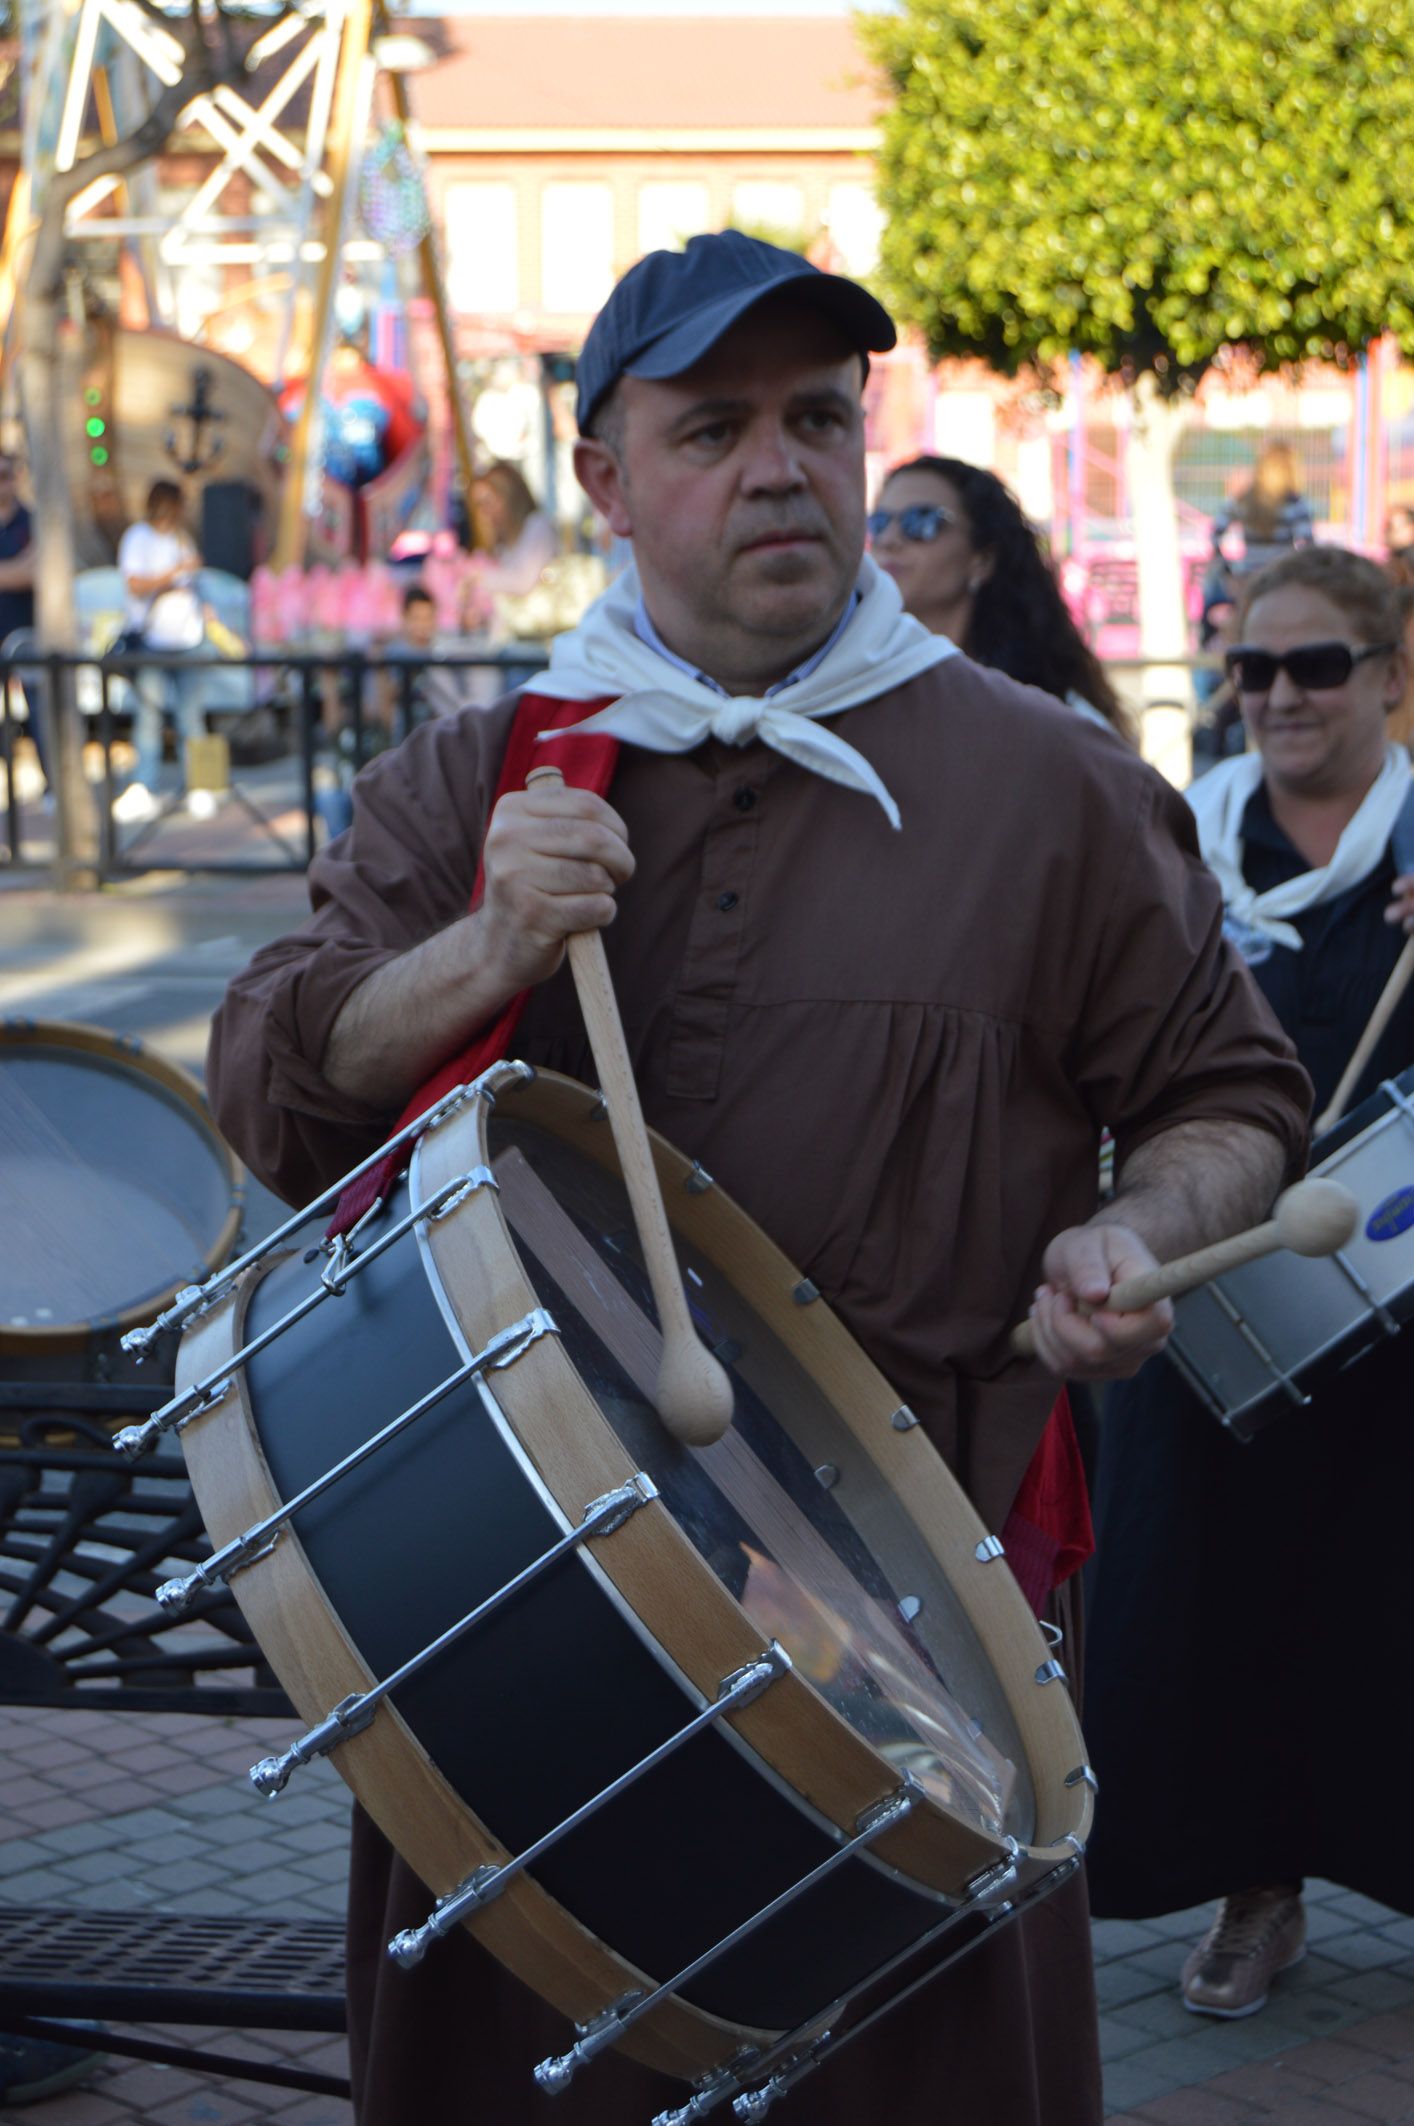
673	306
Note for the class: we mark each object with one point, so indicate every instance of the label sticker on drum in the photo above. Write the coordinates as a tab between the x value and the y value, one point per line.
1392	1217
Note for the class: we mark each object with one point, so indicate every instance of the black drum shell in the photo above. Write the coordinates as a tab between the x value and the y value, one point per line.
560	1691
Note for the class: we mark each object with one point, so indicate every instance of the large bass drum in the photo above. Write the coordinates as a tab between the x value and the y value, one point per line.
703	1745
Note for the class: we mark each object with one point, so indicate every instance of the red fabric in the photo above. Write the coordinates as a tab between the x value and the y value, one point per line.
1048	1533
586	763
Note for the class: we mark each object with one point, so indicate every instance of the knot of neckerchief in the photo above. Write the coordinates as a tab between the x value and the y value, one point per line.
666	710
1258	921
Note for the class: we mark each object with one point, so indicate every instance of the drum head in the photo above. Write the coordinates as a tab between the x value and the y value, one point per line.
114	1187
794	1519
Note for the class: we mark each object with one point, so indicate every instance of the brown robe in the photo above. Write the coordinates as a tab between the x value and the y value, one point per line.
896	1051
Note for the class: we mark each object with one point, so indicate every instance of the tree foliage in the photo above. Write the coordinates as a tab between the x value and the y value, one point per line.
1148	184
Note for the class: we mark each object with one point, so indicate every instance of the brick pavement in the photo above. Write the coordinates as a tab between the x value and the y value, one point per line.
154	1810
1336	2036
112	1811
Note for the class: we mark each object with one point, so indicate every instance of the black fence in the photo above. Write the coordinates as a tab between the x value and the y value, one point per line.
297	727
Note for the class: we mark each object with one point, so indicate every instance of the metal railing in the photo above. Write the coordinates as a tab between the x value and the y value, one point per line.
316	724
309	725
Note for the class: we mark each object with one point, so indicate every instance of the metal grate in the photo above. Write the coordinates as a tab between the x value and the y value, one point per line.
84	1543
177	1968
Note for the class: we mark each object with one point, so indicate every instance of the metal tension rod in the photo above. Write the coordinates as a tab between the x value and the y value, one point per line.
134	1440
555	2075
193	1297
503	1350
354	1713
484	1883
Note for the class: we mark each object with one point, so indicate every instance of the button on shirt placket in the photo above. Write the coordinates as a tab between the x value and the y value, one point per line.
707	988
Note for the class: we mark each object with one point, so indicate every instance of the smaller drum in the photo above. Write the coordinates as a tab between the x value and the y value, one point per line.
115	1189
1258	1341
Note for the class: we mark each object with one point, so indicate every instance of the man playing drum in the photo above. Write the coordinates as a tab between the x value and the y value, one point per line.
893	937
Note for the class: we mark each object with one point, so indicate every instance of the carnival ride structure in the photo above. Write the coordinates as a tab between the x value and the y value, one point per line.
210	283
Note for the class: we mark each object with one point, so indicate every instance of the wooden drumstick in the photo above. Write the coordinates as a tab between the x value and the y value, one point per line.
1313	1218
694	1396
1365	1047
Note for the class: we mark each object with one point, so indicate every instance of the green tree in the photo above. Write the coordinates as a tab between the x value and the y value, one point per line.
1149	186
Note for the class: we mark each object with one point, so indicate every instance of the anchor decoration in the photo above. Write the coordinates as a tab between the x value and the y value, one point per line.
202	415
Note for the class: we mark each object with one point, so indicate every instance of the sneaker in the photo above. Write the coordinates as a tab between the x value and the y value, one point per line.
203	804
1255	1935
33	2069
136	804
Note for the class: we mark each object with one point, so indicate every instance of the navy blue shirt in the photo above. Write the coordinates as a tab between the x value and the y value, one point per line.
1324	994
16	607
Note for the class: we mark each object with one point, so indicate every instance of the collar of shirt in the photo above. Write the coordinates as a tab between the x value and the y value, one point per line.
1270	857
646	632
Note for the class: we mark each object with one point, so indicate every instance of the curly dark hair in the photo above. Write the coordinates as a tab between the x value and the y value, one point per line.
1020	623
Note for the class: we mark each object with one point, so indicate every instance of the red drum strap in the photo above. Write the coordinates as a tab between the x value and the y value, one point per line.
587	764
1048	1533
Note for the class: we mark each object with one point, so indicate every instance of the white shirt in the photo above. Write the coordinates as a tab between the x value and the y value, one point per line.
171	620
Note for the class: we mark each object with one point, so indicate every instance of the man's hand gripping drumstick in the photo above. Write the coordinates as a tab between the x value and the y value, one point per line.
1313	1218
694	1395
553	860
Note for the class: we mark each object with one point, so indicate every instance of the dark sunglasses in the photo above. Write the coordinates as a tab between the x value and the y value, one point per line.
921	521
1314	664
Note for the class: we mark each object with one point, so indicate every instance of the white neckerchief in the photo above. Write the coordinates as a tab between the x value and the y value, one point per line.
669	711
1218	801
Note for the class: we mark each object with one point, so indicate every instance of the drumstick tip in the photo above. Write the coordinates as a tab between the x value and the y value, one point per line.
1316	1217
694	1396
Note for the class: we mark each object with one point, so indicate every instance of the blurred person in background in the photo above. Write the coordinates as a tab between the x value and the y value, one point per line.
16	552
1270	511
1399	541
101	524
428	688
432	690
1234	1583
521	539
160	566
1218	729
17	588
523	543
969	566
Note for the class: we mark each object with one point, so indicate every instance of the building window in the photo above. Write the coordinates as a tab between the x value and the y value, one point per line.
768	208
668	213
576	246
856	225
483	276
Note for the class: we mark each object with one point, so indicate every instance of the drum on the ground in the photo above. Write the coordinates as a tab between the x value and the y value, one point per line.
115	1189
703	1745
1256	1343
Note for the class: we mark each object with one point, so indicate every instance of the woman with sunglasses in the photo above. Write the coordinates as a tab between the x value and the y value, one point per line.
969	566
1240	1710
